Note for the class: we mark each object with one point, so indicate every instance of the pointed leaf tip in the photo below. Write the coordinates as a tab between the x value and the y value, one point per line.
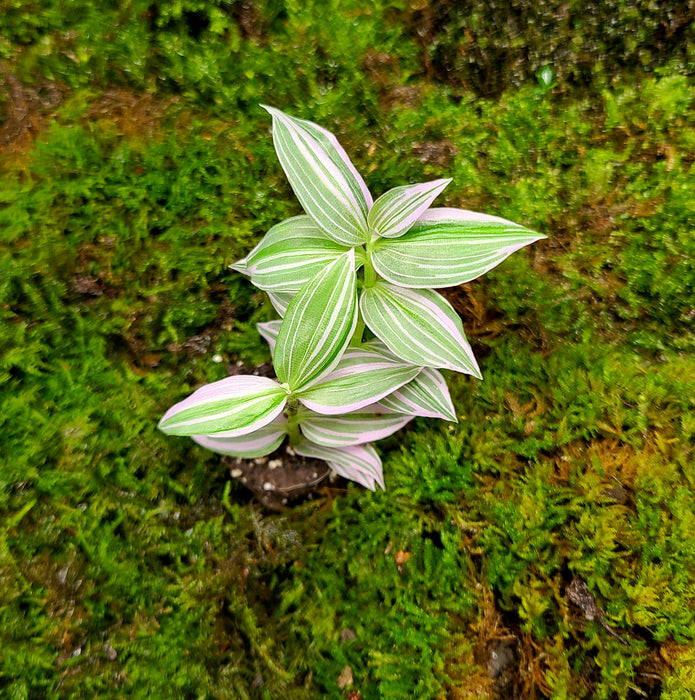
419	326
397	210
322	176
236	405
446	247
358	463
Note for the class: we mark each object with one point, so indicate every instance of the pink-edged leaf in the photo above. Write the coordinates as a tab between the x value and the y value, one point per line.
269	331
326	183
237	405
351	428
318	325
361	378
259	443
289	255
427	395
358	463
397	210
446	247
419	326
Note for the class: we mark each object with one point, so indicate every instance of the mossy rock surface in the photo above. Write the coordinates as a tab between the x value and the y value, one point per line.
136	165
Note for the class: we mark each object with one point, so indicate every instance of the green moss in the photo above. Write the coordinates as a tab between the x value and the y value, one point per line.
129	565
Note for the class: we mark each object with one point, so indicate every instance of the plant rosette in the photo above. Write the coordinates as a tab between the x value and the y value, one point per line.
363	332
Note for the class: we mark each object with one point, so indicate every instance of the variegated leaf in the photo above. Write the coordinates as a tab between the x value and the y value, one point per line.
259	443
361	378
427	395
318	325
358	463
269	331
351	428
398	209
240	266
281	301
446	247
326	183
289	255
237	405
419	326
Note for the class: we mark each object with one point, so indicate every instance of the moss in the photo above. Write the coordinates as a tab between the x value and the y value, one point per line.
135	166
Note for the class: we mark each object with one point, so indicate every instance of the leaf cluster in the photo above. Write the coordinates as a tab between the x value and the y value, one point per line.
330	378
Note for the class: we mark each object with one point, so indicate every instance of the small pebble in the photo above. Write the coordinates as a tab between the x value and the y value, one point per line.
217	358
274	463
267	486
236	473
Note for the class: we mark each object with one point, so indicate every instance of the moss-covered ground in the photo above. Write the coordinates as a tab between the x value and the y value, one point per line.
136	164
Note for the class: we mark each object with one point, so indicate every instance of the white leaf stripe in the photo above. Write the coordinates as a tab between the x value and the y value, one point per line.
327	205
269	331
419	326
240	266
318	325
446	251
350	429
331	145
322	176
280	301
289	255
398	209
427	395
237	405
256	444
358	463
360	379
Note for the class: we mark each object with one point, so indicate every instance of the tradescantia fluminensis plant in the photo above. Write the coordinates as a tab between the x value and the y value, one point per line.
363	334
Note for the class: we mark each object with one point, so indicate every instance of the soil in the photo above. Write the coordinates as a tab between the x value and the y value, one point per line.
281	478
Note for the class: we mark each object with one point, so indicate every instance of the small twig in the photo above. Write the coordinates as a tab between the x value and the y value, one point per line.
302	484
579	594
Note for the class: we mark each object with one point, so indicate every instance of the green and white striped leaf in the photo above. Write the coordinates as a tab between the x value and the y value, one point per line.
397	210
237	405
281	301
326	183
418	326
240	266
349	429
361	378
318	325
358	463
290	254
269	332
259	443
427	395
446	247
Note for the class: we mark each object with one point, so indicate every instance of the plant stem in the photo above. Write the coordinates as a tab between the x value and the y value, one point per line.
369	271
359	332
293	433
